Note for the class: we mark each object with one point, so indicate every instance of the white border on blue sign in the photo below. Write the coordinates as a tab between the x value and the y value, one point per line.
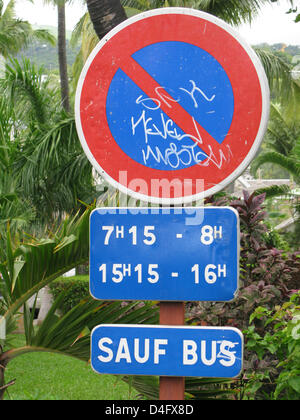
179	327
176	210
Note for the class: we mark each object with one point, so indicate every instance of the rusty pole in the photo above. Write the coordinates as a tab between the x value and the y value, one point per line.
171	388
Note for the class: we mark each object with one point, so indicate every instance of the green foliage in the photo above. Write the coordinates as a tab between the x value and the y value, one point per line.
37	262
234	12
277	369
291	164
25	89
49	168
50	376
294	10
195	388
268	276
45	55
281	149
16	33
33	264
278	72
77	289
70	333
14	211
45	164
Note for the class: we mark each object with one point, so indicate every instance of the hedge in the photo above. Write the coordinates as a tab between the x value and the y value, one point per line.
78	288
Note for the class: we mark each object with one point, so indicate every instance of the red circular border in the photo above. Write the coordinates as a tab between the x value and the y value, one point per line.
171	27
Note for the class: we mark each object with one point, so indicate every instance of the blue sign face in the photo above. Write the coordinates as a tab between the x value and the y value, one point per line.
212	352
192	78
165	254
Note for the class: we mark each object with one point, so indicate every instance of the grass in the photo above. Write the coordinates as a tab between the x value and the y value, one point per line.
48	376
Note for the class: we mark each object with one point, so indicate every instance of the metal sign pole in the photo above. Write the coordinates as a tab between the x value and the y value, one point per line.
171	388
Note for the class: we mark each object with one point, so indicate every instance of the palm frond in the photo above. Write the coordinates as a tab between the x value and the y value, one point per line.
77	31
234	12
282	133
290	164
14	210
54	172
85	32
24	86
36	262
295	152
43	35
70	333
279	75
195	388
274	191
16	34
64	334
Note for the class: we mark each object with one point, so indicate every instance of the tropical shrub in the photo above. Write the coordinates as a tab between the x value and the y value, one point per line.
268	277
35	263
48	167
276	372
76	288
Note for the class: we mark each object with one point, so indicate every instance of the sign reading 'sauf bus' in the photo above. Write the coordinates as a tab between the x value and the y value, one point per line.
213	352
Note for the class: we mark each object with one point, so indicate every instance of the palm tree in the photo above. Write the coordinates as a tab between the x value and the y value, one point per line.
84	32
62	50
13	209
51	170
35	263
16	34
281	146
106	14
234	12
283	132
290	163
32	265
62	53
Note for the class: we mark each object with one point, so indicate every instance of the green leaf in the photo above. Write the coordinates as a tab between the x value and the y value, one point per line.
18	265
294	382
84	333
272	348
67	240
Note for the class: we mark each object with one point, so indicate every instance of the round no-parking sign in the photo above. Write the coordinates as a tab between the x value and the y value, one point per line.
172	106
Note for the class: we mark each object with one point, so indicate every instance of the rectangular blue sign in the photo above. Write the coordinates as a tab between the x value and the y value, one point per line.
211	352
165	254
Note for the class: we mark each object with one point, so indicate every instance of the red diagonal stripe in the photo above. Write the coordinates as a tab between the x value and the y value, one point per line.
172	108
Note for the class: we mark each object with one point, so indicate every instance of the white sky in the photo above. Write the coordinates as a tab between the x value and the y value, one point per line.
273	24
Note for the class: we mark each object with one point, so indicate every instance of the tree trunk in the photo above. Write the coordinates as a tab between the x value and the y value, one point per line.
105	15
62	56
3	364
